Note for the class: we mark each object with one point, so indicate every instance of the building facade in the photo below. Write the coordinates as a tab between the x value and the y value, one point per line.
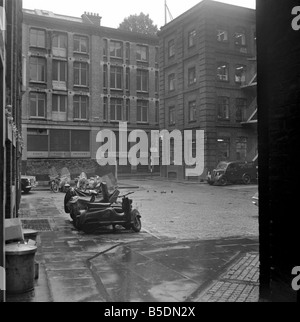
10	114
208	81
82	78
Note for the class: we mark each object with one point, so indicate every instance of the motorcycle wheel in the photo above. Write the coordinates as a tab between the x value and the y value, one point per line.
137	224
55	187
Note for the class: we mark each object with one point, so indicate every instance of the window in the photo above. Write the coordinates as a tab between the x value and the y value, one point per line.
37	105
192	76
105	47
80	74
241	106
240	37
80	107
142	53
81	44
142	111
241	149
60	140
222	35
116	109
127	111
171	82
156	112
37	69
223	108
128	51
192	38
192	111
37	140
116	77
171	48
223	72
240	74
142	80
59	103
80	141
128	79
172	115
156	82
105	71
105	109
37	38
116	49
60	45
223	149
59	71
156	55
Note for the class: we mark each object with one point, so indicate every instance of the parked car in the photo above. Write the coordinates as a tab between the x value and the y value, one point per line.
255	199
233	172
28	183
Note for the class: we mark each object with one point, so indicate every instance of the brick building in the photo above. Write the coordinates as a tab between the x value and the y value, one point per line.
208	81
10	113
81	78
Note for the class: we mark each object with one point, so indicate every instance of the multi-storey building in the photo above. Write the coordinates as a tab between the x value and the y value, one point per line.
81	78
10	115
208	81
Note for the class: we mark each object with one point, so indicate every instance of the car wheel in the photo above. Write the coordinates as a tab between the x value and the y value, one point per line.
246	179
223	181
26	191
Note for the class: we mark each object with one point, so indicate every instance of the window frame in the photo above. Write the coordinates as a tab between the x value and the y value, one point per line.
115	104
172	82
80	107
142	104
221	108
172	115
37	65
114	51
36	45
171	48
142	80
220	76
243	76
192	107
80	39
240	37
192	38
116	77
59	97
37	101
222	30
192	72
146	52
80	75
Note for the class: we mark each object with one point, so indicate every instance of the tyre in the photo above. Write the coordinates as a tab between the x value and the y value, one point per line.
246	179
137	224
26	191
54	187
223	181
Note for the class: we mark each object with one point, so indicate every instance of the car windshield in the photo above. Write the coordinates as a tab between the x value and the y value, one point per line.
222	166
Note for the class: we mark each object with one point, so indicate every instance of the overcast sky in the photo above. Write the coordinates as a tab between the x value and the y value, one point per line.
113	12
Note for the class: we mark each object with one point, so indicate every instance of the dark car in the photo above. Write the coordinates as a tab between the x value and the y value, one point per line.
233	172
27	183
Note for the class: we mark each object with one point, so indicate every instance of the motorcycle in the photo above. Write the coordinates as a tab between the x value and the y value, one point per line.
89	216
100	195
59	183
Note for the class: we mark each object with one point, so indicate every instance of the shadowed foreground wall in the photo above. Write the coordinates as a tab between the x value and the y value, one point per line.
279	146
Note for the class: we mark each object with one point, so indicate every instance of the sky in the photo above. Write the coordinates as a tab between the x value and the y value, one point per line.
113	12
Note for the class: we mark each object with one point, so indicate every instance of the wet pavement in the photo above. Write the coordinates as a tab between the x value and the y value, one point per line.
123	266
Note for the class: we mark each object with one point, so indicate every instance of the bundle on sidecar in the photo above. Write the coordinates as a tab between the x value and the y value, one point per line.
89	214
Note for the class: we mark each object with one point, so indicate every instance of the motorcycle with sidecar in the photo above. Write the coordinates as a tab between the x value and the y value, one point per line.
89	215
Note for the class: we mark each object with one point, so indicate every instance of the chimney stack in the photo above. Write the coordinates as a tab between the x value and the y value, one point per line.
92	18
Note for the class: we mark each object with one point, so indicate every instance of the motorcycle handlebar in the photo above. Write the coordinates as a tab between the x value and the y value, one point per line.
129	193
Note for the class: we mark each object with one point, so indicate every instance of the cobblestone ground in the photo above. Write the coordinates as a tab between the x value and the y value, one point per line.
239	284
